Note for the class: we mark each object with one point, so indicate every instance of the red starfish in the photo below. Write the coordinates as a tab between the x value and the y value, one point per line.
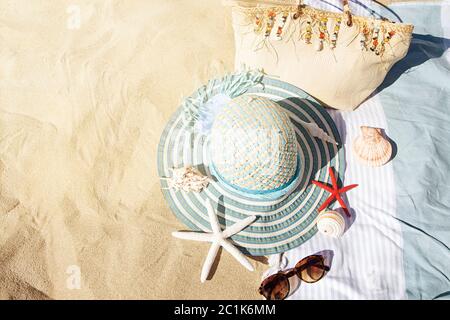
335	192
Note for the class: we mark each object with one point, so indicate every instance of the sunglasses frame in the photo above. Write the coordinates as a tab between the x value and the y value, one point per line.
296	271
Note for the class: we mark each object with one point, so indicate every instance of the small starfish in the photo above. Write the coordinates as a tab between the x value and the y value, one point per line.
218	238
335	192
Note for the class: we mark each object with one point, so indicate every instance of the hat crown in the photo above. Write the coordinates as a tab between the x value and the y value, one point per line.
253	144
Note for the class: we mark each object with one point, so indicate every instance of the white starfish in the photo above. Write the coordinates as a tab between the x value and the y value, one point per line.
218	238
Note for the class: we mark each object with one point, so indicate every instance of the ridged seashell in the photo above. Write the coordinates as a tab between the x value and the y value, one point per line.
371	148
253	145
331	223
187	179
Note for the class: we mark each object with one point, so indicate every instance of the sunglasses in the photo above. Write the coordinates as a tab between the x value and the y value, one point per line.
310	269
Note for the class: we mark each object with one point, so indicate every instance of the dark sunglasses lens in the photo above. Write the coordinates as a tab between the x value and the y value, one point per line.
311	269
275	287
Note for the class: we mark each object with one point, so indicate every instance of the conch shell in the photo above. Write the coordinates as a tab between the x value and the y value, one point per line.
371	148
187	179
331	223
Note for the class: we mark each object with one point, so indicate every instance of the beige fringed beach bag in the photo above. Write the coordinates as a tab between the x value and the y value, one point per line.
338	58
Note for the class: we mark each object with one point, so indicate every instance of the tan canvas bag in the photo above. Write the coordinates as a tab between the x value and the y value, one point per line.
338	58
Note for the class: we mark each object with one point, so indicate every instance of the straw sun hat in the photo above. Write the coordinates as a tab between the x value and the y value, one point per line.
261	142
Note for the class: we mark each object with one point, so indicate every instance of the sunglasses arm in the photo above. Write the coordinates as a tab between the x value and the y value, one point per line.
323	267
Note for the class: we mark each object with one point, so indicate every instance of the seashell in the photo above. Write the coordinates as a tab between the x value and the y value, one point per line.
317	132
331	223
371	148
187	179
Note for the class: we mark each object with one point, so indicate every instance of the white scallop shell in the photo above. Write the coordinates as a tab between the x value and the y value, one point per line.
331	223
371	148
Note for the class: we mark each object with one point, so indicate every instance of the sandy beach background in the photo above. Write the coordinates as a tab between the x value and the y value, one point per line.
86	89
